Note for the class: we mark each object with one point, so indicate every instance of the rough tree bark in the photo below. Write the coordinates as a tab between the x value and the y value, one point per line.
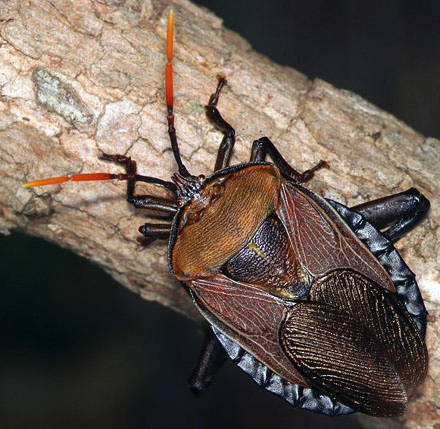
79	76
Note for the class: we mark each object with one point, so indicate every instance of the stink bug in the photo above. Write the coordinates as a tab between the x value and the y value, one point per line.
303	293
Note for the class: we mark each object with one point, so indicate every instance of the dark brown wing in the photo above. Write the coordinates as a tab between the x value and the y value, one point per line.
383	314
355	342
341	359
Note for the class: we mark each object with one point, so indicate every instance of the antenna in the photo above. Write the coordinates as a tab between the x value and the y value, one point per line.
170	98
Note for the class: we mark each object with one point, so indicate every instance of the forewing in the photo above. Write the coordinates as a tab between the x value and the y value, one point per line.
321	238
249	316
247	322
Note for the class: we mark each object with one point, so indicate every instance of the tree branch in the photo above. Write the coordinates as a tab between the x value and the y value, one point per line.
82	76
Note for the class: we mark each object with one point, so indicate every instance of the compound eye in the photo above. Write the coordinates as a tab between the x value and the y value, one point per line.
217	192
194	217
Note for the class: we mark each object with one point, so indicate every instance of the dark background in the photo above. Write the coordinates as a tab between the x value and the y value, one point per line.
78	350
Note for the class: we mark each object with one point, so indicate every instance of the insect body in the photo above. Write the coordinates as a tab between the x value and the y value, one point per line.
304	294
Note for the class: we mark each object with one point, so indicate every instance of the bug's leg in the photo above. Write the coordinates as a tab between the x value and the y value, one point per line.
157	230
263	147
213	115
168	206
212	357
400	212
154	231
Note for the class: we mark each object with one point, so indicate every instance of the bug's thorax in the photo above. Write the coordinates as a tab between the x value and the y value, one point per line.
222	217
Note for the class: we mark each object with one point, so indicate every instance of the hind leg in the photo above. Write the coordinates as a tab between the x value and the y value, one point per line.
212	357
400	212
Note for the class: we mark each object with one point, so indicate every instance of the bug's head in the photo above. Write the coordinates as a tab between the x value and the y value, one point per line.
197	196
188	187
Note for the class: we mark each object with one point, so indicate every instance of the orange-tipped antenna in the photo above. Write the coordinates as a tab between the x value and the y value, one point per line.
171	131
73	178
169	96
170	35
169	66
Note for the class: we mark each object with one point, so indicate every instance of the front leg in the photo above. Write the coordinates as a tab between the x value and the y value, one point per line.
150	202
158	205
263	147
213	115
400	212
